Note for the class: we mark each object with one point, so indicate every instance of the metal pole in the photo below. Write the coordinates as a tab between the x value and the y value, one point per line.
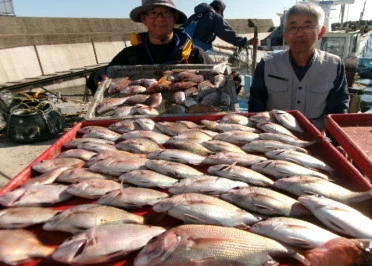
254	54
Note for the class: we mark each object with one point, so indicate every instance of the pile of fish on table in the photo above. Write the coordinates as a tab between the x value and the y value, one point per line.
174	92
237	191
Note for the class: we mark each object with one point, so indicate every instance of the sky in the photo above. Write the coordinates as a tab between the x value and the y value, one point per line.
236	9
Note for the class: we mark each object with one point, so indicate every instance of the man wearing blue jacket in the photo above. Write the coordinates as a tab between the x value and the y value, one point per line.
208	23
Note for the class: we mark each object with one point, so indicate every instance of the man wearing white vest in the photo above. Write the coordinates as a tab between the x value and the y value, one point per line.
302	78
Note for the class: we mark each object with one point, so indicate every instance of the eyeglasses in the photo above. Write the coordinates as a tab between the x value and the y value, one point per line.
305	29
164	14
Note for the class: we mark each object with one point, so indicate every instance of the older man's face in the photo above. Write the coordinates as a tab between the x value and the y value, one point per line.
160	21
302	32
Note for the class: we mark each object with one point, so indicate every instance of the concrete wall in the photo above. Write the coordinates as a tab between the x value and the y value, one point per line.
31	47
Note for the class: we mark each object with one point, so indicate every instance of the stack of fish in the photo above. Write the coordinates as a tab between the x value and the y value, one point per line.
175	92
237	191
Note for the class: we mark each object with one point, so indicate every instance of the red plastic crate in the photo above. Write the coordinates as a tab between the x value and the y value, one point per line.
346	175
353	132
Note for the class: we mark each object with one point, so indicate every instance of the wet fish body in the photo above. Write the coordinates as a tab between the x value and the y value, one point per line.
99	132
35	195
76	142
138	145
20	246
204	209
338	216
82	154
212	245
205	184
311	185
132	197
221	146
300	158
237	137
196	148
51	164
93	188
173	169
175	155
105	243
287	120
116	167
280	169
108	104
84	216
122	126
265	146
147	178
240	173
286	139
293	231
270	127
265	201
21	217
74	175
234	158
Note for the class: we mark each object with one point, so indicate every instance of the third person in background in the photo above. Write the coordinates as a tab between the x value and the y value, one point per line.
302	78
208	23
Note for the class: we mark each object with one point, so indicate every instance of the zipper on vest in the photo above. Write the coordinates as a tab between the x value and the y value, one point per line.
277	77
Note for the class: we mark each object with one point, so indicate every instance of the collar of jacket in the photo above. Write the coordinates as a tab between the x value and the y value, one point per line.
183	43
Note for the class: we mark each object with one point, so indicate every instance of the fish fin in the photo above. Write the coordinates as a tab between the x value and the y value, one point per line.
193	219
295	241
263	207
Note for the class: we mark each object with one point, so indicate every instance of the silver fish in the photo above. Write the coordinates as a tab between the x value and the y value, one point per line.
82	154
338	216
204	209
300	158
104	243
124	111
262	117
293	231
287	120
196	136
286	139
35	195
280	169
84	216
157	137
20	217
138	98
311	185
93	188
78	141
147	178
145	124
21	246
99	132
175	155
193	147
138	145
171	128
117	166
240	173
205	184
209	124
270	127
132	197
47	177
146	110
231	127
213	245
235	119
122	126
228	157
220	146
144	82
115	154
96	147
265	201
133	89
108	104
264	146
74	175
174	169
237	137
51	164
155	100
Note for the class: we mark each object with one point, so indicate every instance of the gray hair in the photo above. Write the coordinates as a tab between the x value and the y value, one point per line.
305	8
